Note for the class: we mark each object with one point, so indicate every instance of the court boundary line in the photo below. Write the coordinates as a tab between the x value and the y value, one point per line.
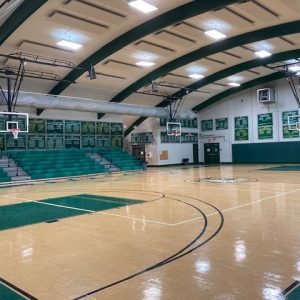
90	211
239	206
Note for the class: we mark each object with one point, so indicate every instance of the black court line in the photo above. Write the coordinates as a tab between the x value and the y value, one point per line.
173	257
286	291
17	289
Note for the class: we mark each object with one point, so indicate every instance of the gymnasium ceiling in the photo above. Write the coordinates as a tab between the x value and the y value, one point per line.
115	36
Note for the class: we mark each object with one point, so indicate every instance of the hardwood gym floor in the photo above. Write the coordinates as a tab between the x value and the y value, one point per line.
162	234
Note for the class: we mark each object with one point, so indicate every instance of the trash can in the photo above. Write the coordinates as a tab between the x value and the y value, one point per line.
145	165
185	161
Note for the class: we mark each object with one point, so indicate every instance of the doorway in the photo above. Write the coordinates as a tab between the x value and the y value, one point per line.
212	154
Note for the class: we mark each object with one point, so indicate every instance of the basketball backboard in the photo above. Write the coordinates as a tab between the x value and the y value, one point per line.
13	120
173	129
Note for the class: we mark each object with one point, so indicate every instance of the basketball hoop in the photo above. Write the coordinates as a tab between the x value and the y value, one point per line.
15	132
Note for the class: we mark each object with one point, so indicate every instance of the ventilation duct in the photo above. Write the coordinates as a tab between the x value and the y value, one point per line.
80	104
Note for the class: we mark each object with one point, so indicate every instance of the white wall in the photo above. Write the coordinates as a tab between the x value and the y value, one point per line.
245	104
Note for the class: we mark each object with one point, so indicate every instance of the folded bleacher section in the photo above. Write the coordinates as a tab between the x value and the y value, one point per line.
123	160
3	176
56	163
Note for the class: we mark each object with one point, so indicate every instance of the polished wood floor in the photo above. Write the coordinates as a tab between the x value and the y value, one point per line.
190	239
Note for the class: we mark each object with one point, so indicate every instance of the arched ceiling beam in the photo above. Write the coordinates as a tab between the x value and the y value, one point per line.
18	17
221	96
242	39
292	54
242	87
169	18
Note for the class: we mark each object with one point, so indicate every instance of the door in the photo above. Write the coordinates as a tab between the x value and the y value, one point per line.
212	154
138	151
195	154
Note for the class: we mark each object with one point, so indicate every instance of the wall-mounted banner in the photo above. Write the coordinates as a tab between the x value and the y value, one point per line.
241	128
207	125
221	123
265	119
287	132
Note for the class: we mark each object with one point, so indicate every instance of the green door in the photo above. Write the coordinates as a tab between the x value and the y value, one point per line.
195	154
212	154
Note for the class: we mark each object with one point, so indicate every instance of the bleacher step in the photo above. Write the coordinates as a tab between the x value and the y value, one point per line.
20	178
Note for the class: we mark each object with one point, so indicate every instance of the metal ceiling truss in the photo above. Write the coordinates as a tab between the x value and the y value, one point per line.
239	40
292	54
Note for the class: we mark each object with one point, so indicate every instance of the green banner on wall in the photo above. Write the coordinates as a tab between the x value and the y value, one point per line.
116	128
288	133
72	127
36	141
265	132
241	134
2	141
88	141
55	126
72	141
102	128
117	141
207	125
287	114
55	141
265	119
221	123
17	144
241	122
37	126
103	141
88	127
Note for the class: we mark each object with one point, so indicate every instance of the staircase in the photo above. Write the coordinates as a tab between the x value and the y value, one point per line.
13	170
104	162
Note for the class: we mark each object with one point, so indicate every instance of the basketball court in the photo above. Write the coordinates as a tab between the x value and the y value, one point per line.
189	189
169	233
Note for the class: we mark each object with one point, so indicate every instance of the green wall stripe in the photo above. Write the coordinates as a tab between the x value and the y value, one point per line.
20	15
242	39
169	18
234	90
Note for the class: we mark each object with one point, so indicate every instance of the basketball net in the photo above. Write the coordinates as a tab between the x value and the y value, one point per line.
15	132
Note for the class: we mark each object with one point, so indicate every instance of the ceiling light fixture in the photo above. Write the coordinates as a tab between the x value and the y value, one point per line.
294	68
142	6
217	35
144	63
69	45
263	53
196	76
234	84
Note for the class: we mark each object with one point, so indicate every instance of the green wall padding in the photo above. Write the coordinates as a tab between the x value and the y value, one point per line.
278	152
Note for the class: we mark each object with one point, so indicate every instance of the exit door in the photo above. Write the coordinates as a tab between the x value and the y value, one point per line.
212	154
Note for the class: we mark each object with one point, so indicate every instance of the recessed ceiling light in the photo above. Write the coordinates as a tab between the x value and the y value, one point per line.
234	84
145	63
217	35
142	5
196	76
263	53
70	45
294	68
